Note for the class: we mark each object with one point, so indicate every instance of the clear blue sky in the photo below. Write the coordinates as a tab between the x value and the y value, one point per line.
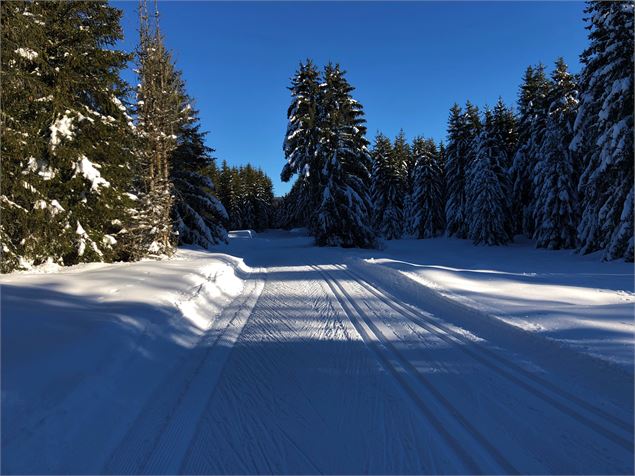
408	61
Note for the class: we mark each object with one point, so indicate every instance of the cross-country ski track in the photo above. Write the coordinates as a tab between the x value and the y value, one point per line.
323	361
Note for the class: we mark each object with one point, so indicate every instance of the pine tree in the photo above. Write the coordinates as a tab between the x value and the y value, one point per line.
160	115
344	213
532	105
198	215
403	160
505	127
463	130
487	189
455	169
387	189
555	175
292	210
603	132
426	207
75	166
303	135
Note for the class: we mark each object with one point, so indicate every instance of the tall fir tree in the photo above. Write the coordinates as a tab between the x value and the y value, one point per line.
197	213
63	91
506	128
455	169
160	115
403	159
345	209
487	189
555	176
603	132
532	105
426	207
303	135
387	189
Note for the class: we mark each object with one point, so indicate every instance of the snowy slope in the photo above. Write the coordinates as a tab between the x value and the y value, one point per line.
576	300
85	347
274	356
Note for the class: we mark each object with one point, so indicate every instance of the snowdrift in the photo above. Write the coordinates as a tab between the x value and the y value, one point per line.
104	332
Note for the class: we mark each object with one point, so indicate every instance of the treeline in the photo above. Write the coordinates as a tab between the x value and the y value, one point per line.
92	169
559	169
247	195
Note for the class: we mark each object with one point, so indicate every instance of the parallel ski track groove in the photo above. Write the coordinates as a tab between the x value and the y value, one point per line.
474	468
451	337
135	451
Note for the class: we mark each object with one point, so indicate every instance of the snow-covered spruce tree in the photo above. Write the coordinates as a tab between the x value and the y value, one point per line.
463	130
292	210
197	214
160	114
603	132
387	189
344	213
27	231
555	176
532	107
505	127
426	207
455	169
487	190
76	163
302	137
402	157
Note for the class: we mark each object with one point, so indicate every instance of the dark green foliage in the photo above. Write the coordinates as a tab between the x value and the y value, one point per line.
556	174
197	214
388	180
603	132
65	134
532	105
487	189
247	195
344	212
426	206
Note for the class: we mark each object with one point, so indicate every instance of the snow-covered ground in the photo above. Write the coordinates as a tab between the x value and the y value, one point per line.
274	356
574	299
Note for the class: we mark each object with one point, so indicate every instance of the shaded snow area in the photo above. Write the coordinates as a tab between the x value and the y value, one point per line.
85	348
269	355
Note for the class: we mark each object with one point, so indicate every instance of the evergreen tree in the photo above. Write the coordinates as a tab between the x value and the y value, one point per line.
426	210
403	161
303	134
63	91
387	188
505	127
532	105
291	211
197	214
555	176
160	115
603	132
455	169
463	131
344	213
487	189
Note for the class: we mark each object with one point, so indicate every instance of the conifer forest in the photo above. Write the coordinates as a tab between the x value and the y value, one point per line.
411	304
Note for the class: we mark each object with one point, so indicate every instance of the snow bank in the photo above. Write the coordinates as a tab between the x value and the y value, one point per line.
242	234
577	300
98	333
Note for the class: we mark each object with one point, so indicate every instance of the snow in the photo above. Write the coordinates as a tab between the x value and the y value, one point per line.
271	355
61	128
27	53
89	171
578	301
84	347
